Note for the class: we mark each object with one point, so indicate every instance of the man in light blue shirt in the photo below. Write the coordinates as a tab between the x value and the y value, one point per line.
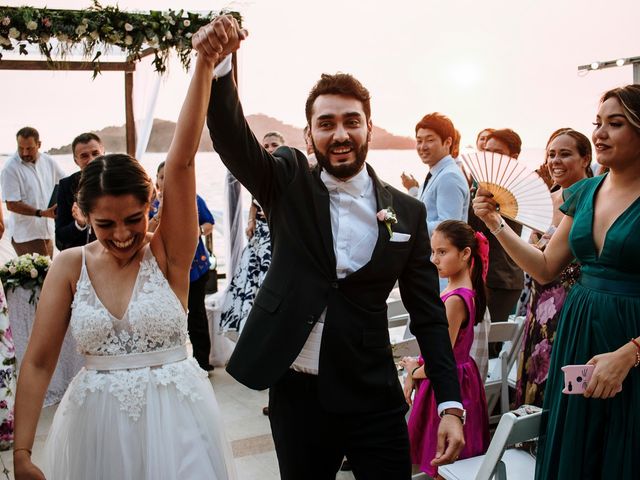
445	191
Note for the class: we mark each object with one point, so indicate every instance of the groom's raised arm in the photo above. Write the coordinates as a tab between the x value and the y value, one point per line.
236	144
260	172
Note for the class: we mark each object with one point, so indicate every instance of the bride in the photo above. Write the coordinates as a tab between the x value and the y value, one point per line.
140	409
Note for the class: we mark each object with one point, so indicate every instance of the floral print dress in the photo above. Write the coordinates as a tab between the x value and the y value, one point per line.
7	376
543	313
243	288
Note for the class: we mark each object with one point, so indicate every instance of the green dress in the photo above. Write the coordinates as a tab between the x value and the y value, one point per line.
585	438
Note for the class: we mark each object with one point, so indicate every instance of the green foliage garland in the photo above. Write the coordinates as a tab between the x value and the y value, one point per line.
98	28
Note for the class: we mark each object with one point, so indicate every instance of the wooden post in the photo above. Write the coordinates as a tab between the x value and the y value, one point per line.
130	120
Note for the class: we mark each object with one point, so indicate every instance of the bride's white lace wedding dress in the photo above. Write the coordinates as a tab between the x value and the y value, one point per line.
140	409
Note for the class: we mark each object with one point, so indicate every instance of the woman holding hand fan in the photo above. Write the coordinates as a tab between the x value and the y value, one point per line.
593	435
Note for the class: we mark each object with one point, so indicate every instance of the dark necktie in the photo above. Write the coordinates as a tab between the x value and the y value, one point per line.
426	181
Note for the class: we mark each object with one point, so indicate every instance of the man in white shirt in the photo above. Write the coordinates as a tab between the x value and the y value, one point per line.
28	180
317	335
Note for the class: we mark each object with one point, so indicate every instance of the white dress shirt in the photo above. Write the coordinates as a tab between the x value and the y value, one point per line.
354	227
32	184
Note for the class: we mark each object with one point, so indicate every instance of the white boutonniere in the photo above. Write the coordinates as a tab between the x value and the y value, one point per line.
388	216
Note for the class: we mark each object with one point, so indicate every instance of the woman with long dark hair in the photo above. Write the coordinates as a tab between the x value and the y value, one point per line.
141	408
593	435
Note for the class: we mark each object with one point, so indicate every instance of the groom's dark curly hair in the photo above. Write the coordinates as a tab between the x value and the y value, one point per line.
339	84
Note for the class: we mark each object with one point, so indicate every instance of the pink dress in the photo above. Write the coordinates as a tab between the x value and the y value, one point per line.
424	419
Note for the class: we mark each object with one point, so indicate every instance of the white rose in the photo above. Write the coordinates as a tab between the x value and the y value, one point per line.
4	41
188	34
12	270
128	27
13	32
33	273
32	25
6	21
81	29
128	40
85	21
187	23
168	36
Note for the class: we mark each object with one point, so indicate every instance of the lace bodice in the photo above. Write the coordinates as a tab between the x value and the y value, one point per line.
154	320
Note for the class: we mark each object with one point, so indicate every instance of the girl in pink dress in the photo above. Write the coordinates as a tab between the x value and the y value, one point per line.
461	256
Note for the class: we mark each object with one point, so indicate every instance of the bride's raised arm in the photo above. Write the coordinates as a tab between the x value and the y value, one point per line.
177	234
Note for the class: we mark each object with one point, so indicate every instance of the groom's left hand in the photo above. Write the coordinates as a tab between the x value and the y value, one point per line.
450	441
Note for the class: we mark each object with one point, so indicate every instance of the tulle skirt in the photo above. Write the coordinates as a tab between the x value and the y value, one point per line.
149	423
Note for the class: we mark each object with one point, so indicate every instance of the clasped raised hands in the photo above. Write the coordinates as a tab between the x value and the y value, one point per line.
219	38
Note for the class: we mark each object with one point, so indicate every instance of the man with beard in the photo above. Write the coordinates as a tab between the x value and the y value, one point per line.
317	335
28	180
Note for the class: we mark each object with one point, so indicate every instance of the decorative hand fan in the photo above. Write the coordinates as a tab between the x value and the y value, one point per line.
521	193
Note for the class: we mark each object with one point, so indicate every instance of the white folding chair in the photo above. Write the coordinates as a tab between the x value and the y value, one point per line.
497	383
500	462
396	313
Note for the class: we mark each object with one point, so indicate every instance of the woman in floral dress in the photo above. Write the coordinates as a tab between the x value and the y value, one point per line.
254	261
7	376
7	369
568	161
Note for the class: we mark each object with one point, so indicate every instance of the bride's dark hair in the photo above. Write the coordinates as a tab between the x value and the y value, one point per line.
114	174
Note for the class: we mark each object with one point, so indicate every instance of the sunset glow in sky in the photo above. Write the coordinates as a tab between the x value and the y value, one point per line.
505	63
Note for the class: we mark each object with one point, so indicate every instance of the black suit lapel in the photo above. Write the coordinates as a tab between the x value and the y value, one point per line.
384	200
320	196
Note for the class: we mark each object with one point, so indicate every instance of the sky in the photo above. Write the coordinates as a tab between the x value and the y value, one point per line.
502	63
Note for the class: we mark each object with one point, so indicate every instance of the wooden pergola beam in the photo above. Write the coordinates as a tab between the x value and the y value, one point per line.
76	66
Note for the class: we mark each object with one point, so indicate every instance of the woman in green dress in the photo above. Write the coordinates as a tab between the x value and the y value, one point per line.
595	435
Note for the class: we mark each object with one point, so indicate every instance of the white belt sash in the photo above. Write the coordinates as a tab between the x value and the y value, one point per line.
135	360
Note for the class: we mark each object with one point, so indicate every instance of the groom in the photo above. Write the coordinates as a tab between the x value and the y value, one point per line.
317	335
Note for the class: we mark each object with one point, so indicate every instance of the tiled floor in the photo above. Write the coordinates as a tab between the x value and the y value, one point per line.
247	429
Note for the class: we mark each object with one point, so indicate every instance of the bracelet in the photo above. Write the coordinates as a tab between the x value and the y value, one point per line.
38	213
28	450
414	370
634	341
498	229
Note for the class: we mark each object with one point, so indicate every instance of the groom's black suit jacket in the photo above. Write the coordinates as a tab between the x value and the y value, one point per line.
356	371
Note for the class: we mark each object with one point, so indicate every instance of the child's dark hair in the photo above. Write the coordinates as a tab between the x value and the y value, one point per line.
461	236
